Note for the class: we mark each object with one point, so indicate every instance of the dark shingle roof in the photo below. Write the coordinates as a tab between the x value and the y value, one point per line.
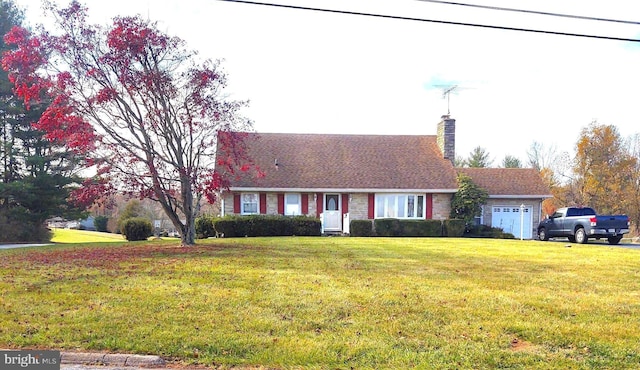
327	161
508	181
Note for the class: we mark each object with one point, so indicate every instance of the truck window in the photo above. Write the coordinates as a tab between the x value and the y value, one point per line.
573	212
588	212
556	215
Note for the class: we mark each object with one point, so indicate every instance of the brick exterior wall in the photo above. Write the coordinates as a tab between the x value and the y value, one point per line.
228	203
272	203
359	206
441	206
312	205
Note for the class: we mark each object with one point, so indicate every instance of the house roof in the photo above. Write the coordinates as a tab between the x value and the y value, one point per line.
508	182
347	162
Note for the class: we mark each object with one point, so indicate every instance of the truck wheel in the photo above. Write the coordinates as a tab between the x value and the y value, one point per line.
581	236
542	234
614	240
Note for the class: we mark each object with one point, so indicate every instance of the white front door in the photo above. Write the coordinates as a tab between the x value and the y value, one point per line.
508	218
331	214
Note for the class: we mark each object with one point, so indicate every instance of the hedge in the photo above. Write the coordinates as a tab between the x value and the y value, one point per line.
392	227
276	225
454	228
361	228
257	225
413	228
484	231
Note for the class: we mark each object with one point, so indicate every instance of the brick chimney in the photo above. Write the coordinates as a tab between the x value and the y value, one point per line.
447	137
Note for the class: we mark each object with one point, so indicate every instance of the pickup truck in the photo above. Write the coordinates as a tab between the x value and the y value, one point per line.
581	224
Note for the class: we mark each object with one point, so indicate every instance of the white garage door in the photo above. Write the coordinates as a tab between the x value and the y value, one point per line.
508	219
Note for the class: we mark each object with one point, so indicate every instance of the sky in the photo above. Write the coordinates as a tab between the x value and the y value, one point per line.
316	72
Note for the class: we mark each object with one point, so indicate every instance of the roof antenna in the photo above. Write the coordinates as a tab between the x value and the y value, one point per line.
447	94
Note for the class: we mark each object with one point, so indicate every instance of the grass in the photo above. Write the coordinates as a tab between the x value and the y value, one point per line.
338	303
83	236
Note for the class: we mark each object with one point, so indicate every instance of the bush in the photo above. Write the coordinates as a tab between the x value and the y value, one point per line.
230	226
453	228
133	209
412	228
204	227
387	227
306	226
257	225
421	228
137	228
100	222
361	228
484	231
16	226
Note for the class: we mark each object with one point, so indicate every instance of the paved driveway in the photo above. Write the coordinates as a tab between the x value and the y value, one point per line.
12	246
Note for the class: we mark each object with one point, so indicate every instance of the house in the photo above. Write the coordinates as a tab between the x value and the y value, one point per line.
339	178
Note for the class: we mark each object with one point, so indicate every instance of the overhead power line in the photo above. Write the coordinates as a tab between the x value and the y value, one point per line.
386	16
531	12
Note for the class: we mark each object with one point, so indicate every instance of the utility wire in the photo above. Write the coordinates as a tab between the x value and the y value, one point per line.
385	16
532	12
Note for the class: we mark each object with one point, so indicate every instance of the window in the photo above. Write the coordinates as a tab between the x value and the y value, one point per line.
331	202
477	220
399	206
292	205
249	204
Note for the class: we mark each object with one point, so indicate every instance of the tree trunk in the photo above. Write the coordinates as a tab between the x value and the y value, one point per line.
188	235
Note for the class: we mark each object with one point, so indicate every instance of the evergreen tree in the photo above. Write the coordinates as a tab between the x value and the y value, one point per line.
468	200
479	157
510	161
36	174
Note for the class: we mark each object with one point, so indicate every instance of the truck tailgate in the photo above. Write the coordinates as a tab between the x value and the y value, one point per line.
612	222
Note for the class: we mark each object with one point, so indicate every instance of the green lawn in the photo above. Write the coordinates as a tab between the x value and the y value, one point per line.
331	303
83	236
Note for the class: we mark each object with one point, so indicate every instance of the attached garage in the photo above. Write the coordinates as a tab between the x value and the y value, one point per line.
509	218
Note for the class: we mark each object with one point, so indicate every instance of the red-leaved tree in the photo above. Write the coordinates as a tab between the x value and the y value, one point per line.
138	101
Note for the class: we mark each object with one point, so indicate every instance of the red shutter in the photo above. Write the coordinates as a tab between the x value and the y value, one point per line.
372	204
345	203
429	206
305	203
236	203
319	204
263	203
280	204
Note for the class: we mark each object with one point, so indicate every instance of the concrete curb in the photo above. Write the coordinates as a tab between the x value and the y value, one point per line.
111	359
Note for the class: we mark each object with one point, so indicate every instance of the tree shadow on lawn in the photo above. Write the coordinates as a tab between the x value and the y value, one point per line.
102	257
